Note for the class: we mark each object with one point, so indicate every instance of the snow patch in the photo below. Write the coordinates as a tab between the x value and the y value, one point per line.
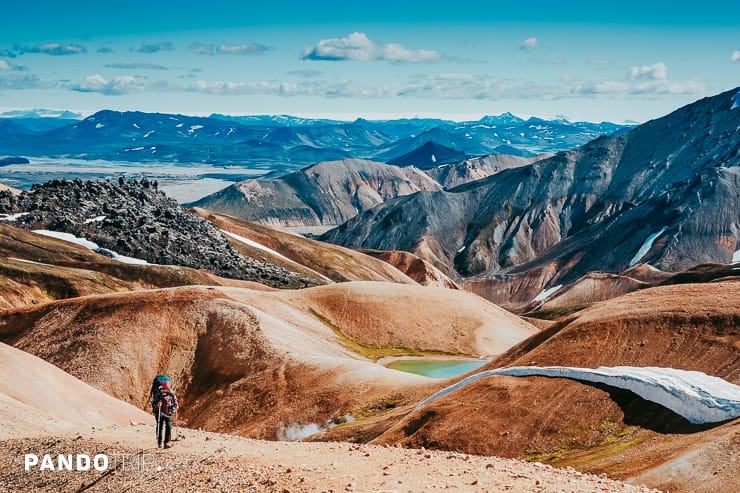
193	128
254	244
150	132
135	149
136	126
121	258
67	237
434	158
461	249
736	257
99	125
546	293
736	100
646	246
29	261
179	125
90	245
698	397
12	217
94	219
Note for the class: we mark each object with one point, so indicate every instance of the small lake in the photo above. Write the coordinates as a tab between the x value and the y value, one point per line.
436	368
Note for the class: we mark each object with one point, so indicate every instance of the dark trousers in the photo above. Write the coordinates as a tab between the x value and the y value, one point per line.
166	424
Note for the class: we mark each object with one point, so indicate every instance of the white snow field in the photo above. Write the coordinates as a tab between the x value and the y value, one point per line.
698	397
546	293
91	245
646	246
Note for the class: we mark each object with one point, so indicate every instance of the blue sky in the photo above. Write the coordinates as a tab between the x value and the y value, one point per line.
586	61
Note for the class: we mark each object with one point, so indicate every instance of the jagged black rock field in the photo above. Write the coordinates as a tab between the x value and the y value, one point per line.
135	219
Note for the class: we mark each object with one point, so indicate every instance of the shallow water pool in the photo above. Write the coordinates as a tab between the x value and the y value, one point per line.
435	368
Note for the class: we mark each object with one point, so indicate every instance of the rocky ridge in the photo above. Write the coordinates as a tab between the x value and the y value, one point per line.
133	218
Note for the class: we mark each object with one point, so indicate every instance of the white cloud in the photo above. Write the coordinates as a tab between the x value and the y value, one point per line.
156	47
600	62
55	49
135	66
24	80
358	47
4	65
529	44
396	53
657	71
735	57
230	88
116	86
306	74
229	49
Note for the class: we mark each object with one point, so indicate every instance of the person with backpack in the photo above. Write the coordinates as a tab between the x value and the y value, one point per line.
164	406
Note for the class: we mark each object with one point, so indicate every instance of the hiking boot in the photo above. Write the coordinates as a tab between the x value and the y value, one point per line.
159	444
168	445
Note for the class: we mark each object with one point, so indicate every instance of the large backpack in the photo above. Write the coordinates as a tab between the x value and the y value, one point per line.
168	402
157	382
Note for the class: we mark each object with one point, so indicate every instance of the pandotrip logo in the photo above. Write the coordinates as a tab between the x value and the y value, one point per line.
141	461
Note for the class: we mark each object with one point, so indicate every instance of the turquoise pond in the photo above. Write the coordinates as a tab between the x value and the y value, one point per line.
435	368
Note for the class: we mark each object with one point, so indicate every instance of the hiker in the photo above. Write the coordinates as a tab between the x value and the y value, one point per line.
164	406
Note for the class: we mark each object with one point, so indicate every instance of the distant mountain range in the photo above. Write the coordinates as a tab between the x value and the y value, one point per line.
281	143
665	193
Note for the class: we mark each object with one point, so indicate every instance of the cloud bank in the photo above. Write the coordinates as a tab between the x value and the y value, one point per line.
116	86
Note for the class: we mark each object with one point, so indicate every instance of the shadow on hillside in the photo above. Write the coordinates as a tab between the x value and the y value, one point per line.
650	415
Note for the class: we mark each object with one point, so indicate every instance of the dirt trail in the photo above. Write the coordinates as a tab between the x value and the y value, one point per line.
202	461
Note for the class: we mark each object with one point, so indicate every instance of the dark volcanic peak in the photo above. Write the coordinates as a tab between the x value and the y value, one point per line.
665	193
429	155
134	219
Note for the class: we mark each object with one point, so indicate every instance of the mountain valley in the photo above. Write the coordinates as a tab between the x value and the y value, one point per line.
616	253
